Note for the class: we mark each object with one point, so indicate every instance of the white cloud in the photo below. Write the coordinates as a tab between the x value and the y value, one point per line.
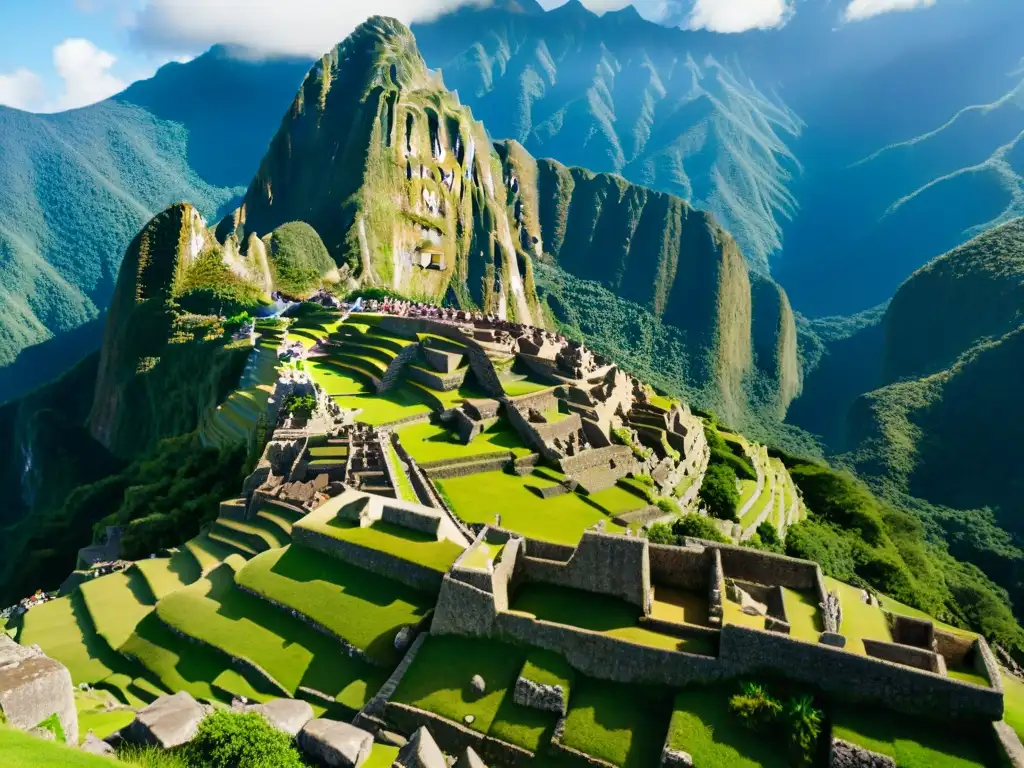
22	89
865	9
289	27
85	71
738	15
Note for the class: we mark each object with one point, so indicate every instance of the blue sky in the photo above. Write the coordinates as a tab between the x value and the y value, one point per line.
62	54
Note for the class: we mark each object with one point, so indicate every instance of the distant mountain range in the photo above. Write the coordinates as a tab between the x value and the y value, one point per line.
840	157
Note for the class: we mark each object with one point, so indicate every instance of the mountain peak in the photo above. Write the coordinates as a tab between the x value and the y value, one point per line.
574	9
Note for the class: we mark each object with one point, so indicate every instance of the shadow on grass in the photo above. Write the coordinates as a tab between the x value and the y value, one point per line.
139	587
599	613
100	649
185	567
625	724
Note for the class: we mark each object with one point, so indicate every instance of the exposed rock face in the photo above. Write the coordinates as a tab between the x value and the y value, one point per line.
421	752
168	722
548	698
676	758
287	715
747	604
396	177
847	755
334	744
33	687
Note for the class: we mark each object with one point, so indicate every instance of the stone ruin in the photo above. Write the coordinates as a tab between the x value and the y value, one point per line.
34	688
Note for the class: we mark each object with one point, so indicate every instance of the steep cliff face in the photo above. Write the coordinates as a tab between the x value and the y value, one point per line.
655	251
160	366
396	177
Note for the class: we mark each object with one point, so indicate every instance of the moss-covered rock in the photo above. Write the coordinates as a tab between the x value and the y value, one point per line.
299	261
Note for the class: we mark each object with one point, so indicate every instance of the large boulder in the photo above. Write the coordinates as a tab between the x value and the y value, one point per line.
96	746
287	715
34	687
421	752
168	722
334	744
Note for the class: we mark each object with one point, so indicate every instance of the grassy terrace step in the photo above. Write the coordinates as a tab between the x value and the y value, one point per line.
356	605
233	541
358	368
20	750
337	380
397	404
209	553
163	575
65	632
184	666
363	347
561	520
362	362
396	541
429	443
117	603
277	518
291	652
260	534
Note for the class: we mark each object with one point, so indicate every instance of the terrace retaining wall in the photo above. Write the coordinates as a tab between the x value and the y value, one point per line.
744	650
442	382
603	563
686	568
908	655
468	468
454	738
383	564
609	658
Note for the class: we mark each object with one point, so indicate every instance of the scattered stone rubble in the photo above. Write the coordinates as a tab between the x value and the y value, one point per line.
547	698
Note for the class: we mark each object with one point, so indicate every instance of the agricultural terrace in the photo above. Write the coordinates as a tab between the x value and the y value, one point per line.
915	743
360	607
291	653
429	442
402	402
559	519
599	613
393	540
234	419
860	620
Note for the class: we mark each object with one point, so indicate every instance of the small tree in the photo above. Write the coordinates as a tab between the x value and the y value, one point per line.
718	492
696	527
661	533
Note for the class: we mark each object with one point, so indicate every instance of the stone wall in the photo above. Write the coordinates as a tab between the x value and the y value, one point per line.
603	563
906	655
908	630
954	648
443	382
423	520
747	564
414	575
463	609
621	455
743	650
441	360
540	401
716	590
468	468
681	567
608	658
393	374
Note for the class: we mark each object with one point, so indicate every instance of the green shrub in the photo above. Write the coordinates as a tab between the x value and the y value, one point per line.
151	757
696	527
719	492
300	405
766	538
661	533
755	708
668	506
803	722
645	480
725	453
241	740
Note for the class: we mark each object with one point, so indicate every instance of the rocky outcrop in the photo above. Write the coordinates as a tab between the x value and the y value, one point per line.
168	722
421	752
34	687
334	744
287	715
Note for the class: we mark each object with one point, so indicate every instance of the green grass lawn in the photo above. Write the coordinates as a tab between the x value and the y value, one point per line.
803	614
207	552
760	505
163	575
915	743
968	675
399	403
335	380
64	630
400	542
439	678
402	482
95	713
117	603
20	750
329	452
598	613
430	442
746	492
515	387
481	553
623	724
294	654
361	607
452	398
860	620
702	725
1013	703
562	519
381	756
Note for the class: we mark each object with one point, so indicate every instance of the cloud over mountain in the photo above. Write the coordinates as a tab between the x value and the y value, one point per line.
865	9
271	27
